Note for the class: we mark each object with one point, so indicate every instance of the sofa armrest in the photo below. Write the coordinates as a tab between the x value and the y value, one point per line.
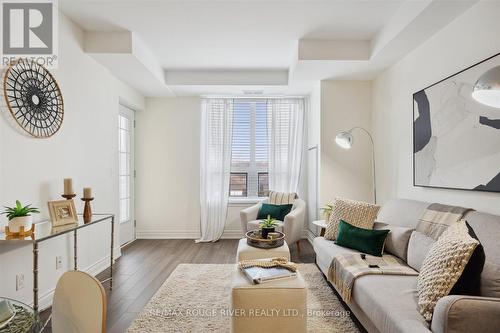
249	214
457	313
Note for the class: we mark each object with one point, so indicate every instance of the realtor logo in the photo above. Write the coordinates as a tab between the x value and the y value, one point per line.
29	30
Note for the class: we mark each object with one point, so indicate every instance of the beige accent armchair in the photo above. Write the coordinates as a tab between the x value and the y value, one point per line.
292	226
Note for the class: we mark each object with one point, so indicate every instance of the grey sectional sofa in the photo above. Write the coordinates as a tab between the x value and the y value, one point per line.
388	304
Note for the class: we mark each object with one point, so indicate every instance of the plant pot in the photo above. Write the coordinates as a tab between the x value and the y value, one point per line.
22	221
265	231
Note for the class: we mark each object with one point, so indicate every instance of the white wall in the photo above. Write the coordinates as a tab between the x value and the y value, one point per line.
313	157
469	39
167	142
345	173
168	171
85	148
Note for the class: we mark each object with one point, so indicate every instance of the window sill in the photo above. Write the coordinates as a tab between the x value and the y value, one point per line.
245	201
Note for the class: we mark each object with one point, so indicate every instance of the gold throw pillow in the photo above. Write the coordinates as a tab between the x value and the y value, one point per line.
357	213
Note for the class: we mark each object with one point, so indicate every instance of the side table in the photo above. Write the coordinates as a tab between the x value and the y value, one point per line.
321	224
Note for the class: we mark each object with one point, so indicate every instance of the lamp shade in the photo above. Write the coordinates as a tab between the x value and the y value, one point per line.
344	140
487	88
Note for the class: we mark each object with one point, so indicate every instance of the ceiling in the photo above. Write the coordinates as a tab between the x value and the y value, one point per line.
188	47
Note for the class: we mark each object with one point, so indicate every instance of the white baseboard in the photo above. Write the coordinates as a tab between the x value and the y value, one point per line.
184	234
166	234
232	234
45	300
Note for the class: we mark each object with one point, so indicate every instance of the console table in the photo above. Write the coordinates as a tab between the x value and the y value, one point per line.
45	231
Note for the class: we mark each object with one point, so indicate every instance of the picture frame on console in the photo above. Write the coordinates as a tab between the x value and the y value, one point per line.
62	212
456	131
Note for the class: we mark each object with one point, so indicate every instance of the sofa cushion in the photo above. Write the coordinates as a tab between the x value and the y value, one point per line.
402	212
364	240
443	266
325	251
469	282
390	302
357	213
397	240
418	247
490	280
487	229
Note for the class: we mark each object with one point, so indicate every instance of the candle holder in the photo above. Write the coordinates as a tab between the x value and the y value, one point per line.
87	210
68	196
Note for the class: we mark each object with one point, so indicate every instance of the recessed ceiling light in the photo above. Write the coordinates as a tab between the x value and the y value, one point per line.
253	92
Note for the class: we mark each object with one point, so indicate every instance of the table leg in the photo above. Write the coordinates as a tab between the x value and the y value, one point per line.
111	255
35	277
75	249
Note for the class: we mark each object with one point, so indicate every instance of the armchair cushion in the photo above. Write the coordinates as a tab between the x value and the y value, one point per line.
247	215
277	212
281	198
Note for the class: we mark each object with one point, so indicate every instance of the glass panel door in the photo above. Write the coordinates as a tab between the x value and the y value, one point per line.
126	174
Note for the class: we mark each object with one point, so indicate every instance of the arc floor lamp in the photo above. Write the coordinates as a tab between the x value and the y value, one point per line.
345	140
487	88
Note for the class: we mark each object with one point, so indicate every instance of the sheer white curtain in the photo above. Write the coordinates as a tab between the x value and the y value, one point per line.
215	158
285	125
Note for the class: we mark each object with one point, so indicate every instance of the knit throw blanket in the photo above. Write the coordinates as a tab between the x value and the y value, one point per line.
347	267
268	263
437	218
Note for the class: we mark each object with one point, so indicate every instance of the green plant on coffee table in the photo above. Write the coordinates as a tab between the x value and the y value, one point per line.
268	223
267	226
19	211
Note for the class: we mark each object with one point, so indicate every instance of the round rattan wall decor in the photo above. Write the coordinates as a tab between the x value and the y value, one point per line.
33	98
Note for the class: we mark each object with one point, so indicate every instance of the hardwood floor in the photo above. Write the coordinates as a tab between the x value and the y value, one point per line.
146	264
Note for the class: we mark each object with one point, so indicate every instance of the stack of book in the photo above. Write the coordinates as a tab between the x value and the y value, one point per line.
263	274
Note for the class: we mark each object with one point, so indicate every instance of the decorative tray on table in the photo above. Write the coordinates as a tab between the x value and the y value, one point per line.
254	238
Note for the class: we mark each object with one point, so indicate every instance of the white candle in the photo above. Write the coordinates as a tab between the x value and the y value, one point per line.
68	186
87	192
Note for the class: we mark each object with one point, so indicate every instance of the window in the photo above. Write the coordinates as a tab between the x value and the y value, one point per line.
249	161
263	184
238	184
125	173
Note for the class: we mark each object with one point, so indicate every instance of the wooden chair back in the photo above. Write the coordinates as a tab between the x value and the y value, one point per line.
79	304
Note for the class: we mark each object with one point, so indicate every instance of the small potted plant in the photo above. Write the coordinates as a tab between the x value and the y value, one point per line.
20	216
327	211
268	225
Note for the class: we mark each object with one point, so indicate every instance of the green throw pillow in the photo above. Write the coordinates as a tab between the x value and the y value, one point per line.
364	240
277	212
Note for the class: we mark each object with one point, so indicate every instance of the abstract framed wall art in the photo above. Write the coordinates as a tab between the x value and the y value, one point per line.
456	139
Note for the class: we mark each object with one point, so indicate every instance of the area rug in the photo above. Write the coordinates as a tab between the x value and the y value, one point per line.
196	298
